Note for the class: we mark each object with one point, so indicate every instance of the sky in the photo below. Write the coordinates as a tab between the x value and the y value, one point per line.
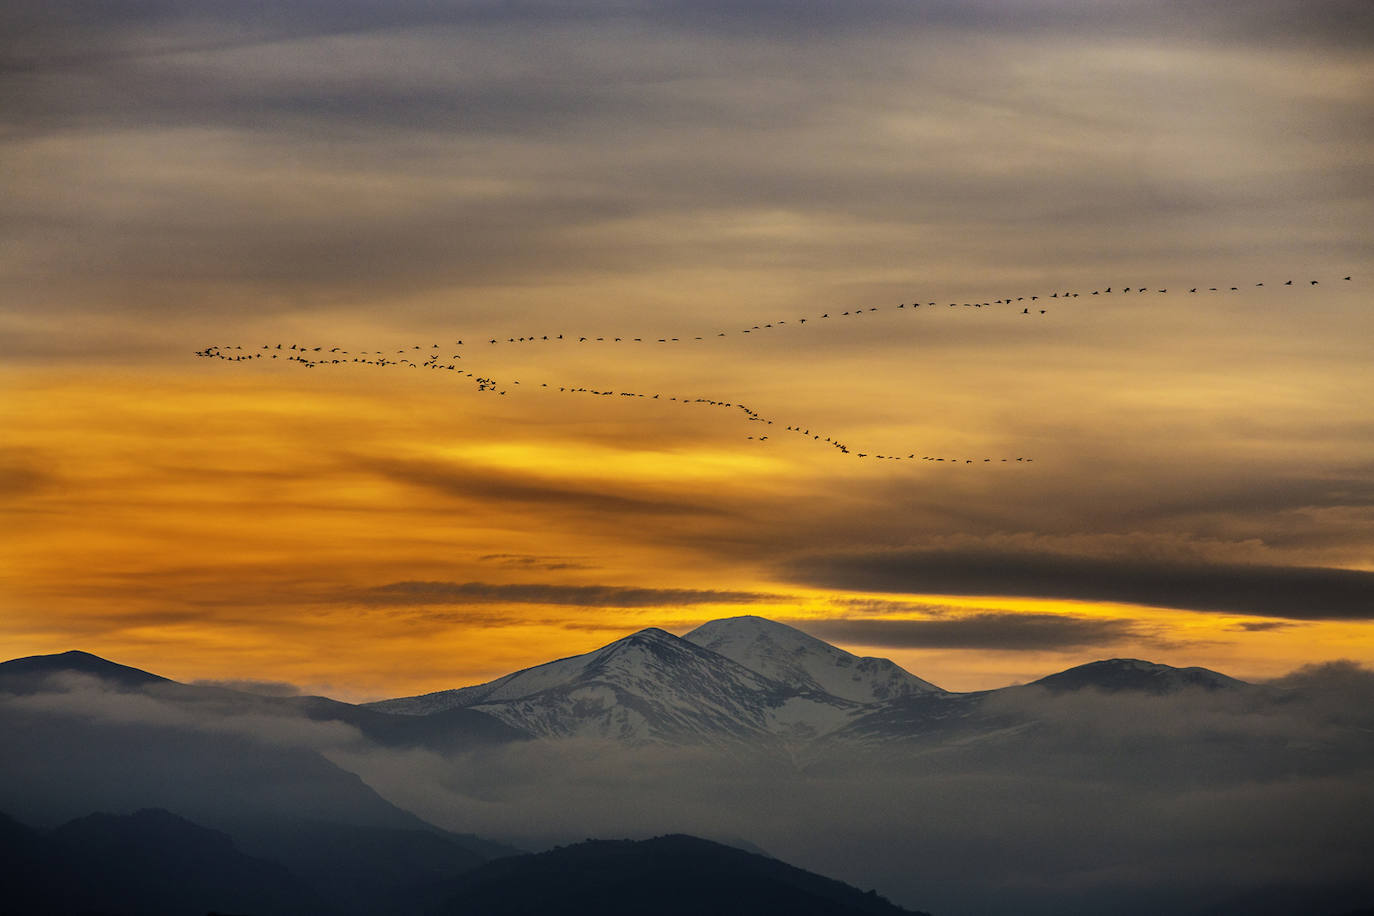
1188	475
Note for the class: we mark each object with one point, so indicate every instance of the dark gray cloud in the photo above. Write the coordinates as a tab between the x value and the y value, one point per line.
996	631
404	593
534	561
1301	593
484	484
21	474
272	122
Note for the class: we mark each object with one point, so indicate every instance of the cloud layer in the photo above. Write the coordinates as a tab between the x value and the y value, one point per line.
1290	592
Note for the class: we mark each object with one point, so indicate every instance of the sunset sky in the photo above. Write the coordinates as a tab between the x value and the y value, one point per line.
384	176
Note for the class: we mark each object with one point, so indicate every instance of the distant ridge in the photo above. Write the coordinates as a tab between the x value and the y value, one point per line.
1115	675
150	862
22	675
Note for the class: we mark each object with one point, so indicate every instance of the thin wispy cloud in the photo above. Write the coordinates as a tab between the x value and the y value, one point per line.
404	593
1299	593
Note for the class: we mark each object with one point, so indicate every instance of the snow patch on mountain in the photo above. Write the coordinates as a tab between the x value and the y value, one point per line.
786	654
649	686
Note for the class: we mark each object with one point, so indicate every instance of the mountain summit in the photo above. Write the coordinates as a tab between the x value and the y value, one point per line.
34	672
786	654
1115	675
743	679
648	686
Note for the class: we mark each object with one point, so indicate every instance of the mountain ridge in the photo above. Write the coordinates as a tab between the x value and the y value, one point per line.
756	681
742	681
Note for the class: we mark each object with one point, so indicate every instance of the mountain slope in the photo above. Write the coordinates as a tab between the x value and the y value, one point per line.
152	863
648	687
668	876
36	673
786	654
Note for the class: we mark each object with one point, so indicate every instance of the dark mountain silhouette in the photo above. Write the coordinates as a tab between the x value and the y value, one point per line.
668	876
39	672
1131	674
155	863
150	863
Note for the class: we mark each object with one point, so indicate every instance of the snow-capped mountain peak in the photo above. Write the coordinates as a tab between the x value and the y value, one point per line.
786	654
648	686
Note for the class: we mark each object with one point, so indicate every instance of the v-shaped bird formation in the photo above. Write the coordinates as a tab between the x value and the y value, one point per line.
433	357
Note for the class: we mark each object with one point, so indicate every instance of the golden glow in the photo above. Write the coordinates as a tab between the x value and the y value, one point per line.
260	519
241	526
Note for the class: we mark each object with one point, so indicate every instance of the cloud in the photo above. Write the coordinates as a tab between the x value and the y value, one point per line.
1103	803
1342	676
485	484
405	593
1301	593
1218	792
997	631
534	561
169	706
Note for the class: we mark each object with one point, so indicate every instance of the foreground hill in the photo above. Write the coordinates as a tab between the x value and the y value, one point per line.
155	863
667	876
151	863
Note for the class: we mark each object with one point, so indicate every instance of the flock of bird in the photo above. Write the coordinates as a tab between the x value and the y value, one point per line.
1031	304
432	358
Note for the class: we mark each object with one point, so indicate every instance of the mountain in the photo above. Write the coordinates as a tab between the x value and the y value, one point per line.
457	729
755	682
788	655
151	863
155	863
84	734
37	673
740	682
1116	675
960	719
667	876
648	687
358	871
